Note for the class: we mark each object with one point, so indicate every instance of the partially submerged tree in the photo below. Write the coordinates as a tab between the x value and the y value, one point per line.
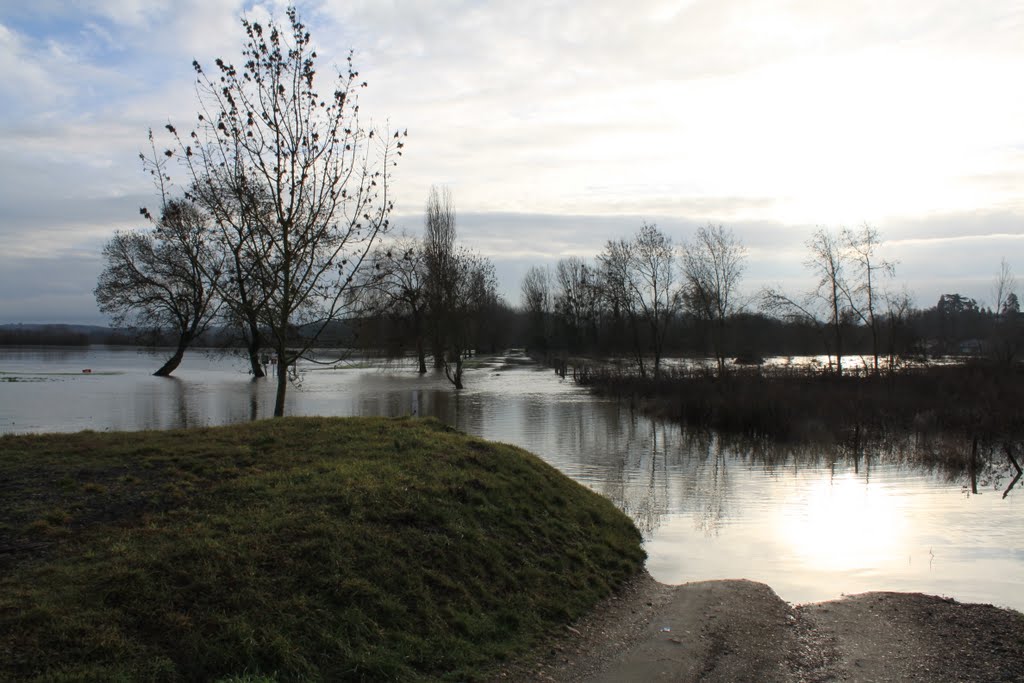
864	292
640	281
577	302
1007	337
162	278
440	257
828	262
827	305
296	183
473	294
712	268
396	287
900	335
243	297
461	288
536	297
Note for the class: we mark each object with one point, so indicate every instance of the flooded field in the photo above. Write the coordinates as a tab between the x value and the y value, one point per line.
812	525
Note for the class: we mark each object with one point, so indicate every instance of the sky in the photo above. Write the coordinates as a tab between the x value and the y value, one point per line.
557	125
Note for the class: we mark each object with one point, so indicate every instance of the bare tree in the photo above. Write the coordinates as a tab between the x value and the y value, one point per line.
440	258
461	287
640	279
899	308
294	174
536	297
866	293
828	262
397	286
162	278
1003	285
238	287
473	293
713	265
577	300
620	295
827	305
1007	335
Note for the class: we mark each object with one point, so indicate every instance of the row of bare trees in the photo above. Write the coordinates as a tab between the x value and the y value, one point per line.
634	291
285	195
440	292
639	292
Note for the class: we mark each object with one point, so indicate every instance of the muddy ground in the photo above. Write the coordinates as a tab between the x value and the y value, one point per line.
742	631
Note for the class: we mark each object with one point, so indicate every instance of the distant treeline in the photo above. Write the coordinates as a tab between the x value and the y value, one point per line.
955	326
64	335
85	335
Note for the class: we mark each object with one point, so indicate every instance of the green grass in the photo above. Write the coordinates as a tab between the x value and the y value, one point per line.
291	549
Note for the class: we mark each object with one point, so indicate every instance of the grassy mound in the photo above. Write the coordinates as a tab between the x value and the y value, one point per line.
295	549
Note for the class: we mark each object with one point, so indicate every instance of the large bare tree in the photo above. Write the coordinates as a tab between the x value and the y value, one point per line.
461	287
162	278
864	293
713	265
827	305
439	251
396	286
299	187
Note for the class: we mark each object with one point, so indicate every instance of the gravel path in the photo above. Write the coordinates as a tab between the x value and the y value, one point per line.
742	631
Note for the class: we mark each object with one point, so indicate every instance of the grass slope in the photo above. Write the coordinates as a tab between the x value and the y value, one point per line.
296	549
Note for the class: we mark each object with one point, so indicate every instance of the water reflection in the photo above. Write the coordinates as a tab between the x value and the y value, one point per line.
812	523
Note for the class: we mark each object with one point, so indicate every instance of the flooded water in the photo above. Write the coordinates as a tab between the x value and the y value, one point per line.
810	526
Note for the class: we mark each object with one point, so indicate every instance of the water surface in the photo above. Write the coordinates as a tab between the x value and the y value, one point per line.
809	524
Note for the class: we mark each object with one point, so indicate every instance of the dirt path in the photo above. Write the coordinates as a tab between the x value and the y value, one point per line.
742	631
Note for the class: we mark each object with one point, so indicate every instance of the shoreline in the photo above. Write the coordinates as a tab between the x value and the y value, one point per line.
727	630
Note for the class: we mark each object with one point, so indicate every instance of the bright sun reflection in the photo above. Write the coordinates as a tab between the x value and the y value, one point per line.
843	524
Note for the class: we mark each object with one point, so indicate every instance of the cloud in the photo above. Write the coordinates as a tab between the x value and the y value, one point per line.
559	125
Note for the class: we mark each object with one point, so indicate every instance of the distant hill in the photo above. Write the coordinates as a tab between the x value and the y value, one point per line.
58	334
61	334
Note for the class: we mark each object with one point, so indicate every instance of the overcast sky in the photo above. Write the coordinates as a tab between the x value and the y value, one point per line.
558	125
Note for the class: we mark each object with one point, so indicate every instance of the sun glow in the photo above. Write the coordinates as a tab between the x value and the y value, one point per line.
843	524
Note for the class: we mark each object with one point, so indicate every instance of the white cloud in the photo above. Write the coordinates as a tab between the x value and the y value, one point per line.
568	123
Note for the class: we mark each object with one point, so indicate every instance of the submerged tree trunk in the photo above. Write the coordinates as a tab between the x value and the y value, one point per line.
837	321
254	356
421	356
282	384
454	374
174	361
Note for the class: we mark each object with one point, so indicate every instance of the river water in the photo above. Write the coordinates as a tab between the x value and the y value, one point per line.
810	525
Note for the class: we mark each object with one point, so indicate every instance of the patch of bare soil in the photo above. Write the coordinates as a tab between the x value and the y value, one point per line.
742	631
915	637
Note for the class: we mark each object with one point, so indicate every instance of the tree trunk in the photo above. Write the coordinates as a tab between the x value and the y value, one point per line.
837	321
455	377
174	361
282	384
254	357
421	356
458	372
